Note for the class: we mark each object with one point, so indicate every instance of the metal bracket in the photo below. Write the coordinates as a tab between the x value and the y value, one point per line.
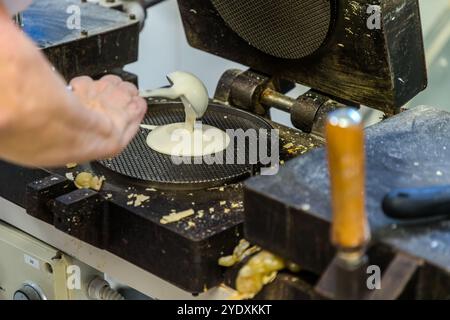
40	195
257	93
396	278
81	214
342	280
243	89
394	282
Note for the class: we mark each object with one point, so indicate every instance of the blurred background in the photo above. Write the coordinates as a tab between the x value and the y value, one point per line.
164	49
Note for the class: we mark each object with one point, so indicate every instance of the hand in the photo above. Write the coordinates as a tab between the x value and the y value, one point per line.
43	124
120	106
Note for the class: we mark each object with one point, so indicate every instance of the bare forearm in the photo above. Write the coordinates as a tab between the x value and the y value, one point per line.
42	124
34	102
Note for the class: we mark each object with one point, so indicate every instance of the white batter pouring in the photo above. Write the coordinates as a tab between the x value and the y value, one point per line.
187	139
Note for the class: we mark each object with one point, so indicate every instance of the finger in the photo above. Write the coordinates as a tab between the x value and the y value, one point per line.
135	111
139	104
130	132
122	140
81	84
115	99
112	79
129	87
101	85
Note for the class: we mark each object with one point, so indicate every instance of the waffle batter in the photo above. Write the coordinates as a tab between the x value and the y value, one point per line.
187	139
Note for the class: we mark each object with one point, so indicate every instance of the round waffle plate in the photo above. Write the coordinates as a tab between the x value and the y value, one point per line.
144	165
288	29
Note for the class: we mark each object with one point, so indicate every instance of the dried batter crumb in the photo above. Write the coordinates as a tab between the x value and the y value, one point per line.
226	210
235	205
305	207
71	165
69	175
222	189
200	213
97	183
151	189
137	200
222	203
288	145
86	180
140	199
175	217
190	225
211	210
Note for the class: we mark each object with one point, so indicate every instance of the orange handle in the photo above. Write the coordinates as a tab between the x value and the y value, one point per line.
346	160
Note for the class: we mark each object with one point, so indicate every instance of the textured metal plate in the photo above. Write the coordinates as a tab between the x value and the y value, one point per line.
143	164
290	29
110	41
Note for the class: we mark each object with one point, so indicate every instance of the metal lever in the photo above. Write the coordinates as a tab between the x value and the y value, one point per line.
345	148
350	229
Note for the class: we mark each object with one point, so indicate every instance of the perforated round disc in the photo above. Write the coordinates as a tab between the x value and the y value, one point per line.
290	29
140	163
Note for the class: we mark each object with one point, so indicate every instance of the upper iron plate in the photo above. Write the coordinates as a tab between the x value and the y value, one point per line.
283	28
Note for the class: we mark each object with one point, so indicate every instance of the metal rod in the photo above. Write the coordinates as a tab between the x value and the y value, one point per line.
274	99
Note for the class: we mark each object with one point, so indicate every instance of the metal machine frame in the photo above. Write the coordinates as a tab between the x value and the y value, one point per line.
381	68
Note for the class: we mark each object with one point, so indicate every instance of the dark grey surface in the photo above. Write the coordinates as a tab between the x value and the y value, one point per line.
409	150
107	40
283	28
382	68
45	21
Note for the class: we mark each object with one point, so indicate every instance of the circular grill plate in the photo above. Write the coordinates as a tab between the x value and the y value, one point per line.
289	29
144	165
